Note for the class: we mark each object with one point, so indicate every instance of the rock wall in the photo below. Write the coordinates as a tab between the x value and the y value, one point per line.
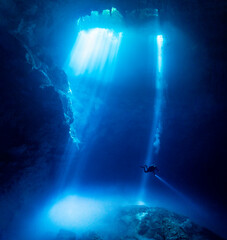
34	126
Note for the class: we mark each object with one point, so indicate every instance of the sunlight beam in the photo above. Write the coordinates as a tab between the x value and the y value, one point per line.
93	50
154	141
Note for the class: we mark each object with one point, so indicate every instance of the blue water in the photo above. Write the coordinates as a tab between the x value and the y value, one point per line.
126	87
119	92
118	85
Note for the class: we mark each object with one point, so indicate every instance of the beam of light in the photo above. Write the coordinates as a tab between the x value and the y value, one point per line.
154	141
156	125
93	50
67	159
196	208
76	212
160	44
171	187
190	204
93	57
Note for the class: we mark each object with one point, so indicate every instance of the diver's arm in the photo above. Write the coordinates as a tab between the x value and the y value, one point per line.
145	170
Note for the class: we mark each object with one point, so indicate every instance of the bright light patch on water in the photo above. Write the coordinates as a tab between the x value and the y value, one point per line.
93	50
76	212
140	203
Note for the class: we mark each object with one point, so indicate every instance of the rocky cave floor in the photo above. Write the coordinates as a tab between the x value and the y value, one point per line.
141	222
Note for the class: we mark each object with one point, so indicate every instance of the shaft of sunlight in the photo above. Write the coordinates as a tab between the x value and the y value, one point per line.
154	141
93	50
90	69
160	44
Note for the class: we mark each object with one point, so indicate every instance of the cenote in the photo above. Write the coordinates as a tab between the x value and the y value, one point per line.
113	120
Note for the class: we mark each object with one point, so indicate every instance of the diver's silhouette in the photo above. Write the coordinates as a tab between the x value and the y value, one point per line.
152	169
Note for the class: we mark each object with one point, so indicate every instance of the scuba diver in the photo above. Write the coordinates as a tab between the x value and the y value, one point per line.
152	169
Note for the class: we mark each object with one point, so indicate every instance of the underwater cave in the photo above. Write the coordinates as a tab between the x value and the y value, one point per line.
113	120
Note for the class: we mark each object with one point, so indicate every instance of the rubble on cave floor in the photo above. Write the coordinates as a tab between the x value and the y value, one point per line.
141	223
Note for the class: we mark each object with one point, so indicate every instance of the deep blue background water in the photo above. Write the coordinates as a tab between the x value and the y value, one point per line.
115	139
114	124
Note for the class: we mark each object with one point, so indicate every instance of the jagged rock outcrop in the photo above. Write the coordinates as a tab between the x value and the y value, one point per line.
159	224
